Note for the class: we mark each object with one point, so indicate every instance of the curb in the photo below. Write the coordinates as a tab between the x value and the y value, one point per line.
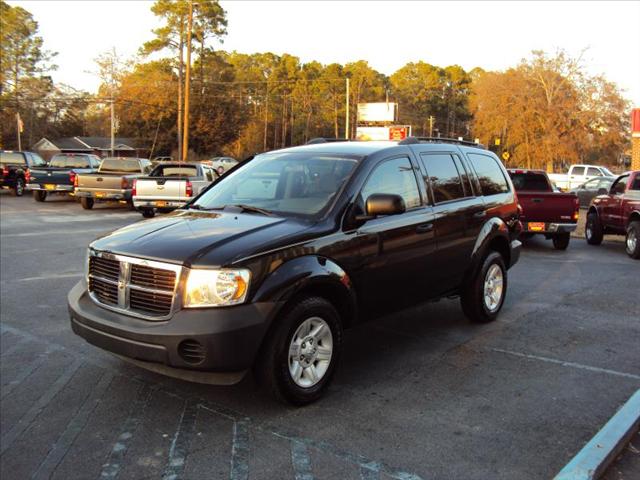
595	457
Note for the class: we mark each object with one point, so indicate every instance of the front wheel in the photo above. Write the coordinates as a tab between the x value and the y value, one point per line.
87	203
593	231
299	357
18	190
561	241
483	295
39	195
632	241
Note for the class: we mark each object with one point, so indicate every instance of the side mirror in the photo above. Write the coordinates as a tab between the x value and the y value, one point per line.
378	204
602	191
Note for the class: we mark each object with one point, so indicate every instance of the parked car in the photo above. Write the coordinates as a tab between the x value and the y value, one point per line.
170	186
112	181
268	266
16	169
577	175
590	189
222	164
545	211
59	176
617	213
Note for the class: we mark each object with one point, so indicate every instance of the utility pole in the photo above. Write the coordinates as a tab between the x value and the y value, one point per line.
187	85
19	130
431	119
113	130
180	86
346	120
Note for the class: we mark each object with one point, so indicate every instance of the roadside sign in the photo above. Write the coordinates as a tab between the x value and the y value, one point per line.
506	156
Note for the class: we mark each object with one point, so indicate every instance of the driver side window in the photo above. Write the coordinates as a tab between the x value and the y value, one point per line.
394	176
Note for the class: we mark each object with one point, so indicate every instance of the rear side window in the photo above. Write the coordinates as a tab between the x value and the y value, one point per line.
593	172
394	176
577	171
490	175
37	161
444	177
530	182
636	183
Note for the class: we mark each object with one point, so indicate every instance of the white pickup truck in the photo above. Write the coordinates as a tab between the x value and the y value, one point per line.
578	174
170	186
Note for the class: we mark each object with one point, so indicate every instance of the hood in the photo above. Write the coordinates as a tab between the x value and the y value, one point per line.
202	238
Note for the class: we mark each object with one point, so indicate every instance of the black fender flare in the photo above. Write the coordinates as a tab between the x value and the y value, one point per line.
494	235
310	273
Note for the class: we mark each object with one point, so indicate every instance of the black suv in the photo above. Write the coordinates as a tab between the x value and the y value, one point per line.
15	169
266	267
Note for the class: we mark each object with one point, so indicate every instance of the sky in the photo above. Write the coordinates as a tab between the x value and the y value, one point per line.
388	34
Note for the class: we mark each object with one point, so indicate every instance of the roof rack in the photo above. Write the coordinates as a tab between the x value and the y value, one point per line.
313	141
455	141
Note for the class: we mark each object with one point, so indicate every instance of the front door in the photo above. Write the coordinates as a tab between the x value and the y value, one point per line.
612	208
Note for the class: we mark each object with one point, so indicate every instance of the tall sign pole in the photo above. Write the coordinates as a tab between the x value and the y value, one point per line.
187	85
346	117
635	139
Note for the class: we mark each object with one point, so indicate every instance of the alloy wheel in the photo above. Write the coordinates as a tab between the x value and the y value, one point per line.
310	352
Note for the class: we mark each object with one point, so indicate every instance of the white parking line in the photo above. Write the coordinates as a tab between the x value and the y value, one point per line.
44	233
50	276
568	364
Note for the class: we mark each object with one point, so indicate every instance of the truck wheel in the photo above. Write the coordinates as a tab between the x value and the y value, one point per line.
561	241
632	242
39	195
300	354
148	212
18	190
484	294
593	229
87	203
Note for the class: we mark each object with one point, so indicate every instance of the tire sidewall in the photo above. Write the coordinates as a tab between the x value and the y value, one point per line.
310	307
635	226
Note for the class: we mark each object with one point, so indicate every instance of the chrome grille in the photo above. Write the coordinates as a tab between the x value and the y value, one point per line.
138	287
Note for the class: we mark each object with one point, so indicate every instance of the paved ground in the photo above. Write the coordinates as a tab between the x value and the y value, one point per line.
421	394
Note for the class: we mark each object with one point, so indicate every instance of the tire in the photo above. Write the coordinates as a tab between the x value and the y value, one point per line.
39	195
275	369
87	203
561	241
18	189
593	229
632	241
148	213
474	305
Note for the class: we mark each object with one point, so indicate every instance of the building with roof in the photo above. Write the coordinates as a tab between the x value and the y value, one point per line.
101	146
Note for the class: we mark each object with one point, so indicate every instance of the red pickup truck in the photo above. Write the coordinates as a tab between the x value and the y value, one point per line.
617	213
545	211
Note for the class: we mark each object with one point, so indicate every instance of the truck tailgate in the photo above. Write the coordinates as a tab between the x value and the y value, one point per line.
170	188
50	176
100	181
547	207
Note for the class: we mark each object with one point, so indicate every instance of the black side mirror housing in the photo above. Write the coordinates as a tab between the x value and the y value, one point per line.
378	204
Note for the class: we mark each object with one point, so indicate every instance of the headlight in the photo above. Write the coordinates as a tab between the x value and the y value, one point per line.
216	288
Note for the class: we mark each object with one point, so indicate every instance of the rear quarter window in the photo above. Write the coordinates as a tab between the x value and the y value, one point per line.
490	174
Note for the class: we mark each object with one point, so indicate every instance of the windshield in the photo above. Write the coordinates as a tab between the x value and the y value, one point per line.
11	157
607	172
70	161
287	183
120	165
533	182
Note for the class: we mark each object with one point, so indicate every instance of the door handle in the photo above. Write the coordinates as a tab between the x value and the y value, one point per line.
537	200
480	214
424	228
99	179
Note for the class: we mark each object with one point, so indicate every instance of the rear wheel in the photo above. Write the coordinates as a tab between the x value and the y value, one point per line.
39	195
18	190
561	241
87	203
632	242
148	212
484	294
299	356
593	229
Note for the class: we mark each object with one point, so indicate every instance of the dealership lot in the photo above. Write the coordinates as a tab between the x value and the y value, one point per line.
420	394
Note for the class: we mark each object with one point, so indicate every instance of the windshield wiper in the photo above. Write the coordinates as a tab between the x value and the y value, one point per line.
251	208
200	207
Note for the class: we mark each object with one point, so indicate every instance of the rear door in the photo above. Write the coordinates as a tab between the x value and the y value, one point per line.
397	250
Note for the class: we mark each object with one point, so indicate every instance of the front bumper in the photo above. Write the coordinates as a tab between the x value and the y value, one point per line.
229	338
56	188
552	228
105	195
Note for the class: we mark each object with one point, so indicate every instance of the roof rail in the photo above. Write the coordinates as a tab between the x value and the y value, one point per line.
313	141
455	141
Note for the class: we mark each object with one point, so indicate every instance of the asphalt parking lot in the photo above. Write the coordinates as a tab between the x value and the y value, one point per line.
422	394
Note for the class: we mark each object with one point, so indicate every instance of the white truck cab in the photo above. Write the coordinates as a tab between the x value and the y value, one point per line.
577	175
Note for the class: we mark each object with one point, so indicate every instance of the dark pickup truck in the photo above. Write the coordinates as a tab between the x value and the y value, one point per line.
545	211
112	181
268	265
617	213
59	176
16	169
